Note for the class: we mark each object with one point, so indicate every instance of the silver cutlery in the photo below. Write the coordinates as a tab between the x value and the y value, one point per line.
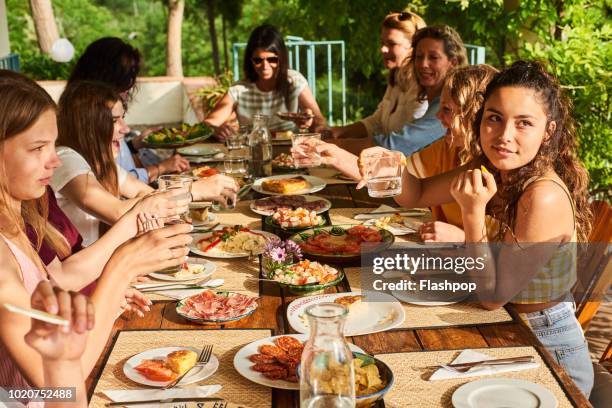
203	359
213	283
203	230
164	401
220	404
465	367
372	215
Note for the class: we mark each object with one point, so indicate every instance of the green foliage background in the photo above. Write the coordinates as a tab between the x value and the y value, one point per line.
572	36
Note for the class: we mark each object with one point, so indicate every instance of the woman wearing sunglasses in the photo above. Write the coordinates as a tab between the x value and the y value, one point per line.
269	87
400	104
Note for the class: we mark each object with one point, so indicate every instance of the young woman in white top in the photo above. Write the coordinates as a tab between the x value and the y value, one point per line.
269	87
400	105
89	185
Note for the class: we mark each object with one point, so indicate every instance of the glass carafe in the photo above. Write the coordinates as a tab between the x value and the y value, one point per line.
327	375
260	148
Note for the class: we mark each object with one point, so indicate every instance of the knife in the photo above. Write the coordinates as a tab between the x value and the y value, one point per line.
370	215
510	360
160	401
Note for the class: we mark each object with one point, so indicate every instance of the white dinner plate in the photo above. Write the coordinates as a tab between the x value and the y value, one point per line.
364	318
209	269
199	151
316	184
503	393
309	198
216	252
242	364
195	375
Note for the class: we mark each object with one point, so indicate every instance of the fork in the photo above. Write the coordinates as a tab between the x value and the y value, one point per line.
203	359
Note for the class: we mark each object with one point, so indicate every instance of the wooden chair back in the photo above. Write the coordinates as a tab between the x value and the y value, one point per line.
595	265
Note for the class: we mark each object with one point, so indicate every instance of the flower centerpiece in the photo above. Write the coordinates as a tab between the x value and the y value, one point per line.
278	255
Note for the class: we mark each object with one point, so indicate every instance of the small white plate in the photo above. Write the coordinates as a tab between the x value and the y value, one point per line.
309	198
218	253
198	151
503	392
209	269
211	218
316	184
242	364
396	229
197	374
368	317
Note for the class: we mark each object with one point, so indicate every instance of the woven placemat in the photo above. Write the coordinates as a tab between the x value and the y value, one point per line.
235	272
241	215
328	174
457	314
411	388
236	388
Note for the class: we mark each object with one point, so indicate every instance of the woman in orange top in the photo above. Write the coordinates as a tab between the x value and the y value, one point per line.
460	101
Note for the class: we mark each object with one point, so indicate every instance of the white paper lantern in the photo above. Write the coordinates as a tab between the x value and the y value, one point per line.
62	50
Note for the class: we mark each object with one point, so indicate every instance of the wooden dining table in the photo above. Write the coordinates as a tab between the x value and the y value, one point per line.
271	314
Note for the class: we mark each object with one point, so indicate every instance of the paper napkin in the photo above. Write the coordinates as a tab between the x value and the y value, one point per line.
202	391
468	356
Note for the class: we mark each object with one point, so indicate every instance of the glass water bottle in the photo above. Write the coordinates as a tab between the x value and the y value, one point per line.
260	148
327	375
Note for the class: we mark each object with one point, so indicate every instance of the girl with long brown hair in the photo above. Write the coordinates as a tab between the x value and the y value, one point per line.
536	187
28	132
89	185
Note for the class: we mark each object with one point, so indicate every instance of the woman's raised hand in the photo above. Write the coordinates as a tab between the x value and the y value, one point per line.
473	189
164	204
153	251
217	188
54	342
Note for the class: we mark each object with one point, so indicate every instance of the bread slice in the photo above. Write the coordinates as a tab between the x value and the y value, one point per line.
181	360
349	301
286	186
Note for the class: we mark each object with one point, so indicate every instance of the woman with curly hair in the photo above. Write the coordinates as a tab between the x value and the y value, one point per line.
537	189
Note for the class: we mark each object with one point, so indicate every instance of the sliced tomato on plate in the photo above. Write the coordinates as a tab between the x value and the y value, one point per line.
155	370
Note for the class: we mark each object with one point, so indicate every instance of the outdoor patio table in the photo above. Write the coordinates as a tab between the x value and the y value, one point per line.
271	314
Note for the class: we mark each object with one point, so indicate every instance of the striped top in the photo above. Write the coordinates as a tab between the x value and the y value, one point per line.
249	100
10	376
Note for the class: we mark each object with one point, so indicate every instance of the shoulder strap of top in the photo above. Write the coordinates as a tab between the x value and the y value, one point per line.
563	187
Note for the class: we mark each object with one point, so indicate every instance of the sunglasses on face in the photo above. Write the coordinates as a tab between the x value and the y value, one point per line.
259	60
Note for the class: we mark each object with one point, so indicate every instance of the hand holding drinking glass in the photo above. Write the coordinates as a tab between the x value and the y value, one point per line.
220	188
304	149
381	171
170	182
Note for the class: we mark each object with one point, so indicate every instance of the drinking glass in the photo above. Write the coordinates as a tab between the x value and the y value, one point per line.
235	165
384	175
327	375
237	140
169	182
304	152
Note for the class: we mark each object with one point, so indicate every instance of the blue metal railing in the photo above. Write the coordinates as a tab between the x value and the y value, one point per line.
475	53
10	61
295	45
